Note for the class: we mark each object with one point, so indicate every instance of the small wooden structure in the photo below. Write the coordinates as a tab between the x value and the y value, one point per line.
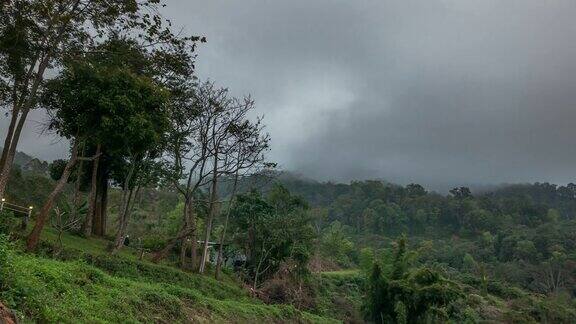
212	250
26	211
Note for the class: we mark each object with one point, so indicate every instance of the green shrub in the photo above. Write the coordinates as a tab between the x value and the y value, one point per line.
152	243
8	223
87	287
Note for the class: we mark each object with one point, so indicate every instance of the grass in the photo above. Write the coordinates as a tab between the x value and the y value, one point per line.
339	294
348	273
126	265
87	285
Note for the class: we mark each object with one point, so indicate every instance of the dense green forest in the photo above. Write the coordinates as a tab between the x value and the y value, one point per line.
167	208
364	251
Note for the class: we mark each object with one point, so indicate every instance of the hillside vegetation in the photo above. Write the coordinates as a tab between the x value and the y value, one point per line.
85	285
166	208
435	273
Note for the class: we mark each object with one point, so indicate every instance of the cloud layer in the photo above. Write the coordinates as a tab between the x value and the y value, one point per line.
439	92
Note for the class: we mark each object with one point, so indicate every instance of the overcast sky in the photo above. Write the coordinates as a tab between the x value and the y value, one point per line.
438	92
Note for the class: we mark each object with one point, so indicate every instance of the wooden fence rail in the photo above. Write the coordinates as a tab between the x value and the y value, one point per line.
26	211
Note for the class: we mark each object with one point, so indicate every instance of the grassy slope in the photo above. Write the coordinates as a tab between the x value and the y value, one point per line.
340	294
89	286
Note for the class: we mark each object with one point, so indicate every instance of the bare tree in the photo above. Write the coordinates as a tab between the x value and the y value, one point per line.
208	130
63	221
187	158
555	274
249	144
235	145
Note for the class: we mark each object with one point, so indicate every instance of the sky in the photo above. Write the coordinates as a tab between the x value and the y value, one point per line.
438	92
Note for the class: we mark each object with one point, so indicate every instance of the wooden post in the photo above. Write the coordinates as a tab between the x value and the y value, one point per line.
27	218
141	250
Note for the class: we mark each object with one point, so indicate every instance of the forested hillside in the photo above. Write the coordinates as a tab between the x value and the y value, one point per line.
166	206
369	250
22	159
515	240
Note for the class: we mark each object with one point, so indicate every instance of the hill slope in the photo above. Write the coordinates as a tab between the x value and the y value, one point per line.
87	286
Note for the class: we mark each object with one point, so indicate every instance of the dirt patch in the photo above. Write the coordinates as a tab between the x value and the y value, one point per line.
7	316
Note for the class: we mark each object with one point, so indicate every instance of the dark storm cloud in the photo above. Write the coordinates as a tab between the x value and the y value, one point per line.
433	91
438	92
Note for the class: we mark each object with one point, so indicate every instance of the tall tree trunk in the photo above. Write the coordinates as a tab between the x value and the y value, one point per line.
193	238
183	241
120	235
220	257
100	213
13	137
223	235
87	228
77	194
9	160
104	207
8	140
212	212
183	247
97	218
34	236
257	273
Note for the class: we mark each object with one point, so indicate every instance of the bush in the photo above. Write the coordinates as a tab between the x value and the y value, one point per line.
105	289
152	243
8	223
4	252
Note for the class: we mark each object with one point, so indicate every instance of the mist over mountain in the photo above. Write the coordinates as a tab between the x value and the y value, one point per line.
440	92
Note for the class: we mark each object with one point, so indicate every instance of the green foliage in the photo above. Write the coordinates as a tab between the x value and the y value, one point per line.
400	262
366	259
99	288
5	250
526	250
112	105
430	284
339	294
400	310
272	230
57	168
512	231
553	215
8	223
376	300
336	245
403	296
468	263
28	189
